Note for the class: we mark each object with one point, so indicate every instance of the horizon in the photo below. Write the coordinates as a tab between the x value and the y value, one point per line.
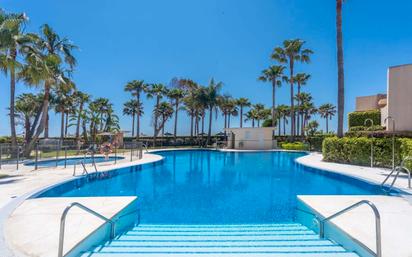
230	41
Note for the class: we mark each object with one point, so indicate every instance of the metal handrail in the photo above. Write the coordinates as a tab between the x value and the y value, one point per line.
351	207
145	147
398	169
84	168
63	223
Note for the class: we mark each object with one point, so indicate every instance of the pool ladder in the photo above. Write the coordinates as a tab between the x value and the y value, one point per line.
84	167
87	209
398	170
378	236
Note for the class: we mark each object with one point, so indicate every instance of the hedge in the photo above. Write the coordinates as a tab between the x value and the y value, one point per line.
315	141
295	146
357	150
358	118
366	128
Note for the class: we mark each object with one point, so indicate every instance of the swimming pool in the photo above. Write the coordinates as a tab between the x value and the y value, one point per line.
72	161
211	187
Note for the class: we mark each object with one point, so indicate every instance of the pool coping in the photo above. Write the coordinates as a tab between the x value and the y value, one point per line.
8	209
5	251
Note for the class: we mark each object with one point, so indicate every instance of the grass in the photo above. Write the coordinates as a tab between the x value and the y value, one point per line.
3	176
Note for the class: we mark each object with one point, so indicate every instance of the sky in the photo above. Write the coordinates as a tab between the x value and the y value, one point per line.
229	40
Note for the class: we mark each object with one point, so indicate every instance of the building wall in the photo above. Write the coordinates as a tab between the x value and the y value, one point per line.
400	97
367	103
251	138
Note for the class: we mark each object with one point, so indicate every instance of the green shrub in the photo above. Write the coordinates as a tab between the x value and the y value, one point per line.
358	118
357	150
315	141
300	146
363	128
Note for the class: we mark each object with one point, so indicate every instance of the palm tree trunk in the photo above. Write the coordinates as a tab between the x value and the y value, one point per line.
46	126
327	124
176	112
273	102
191	127
303	124
279	126
133	121
43	120
341	81
203	123
292	104
209	133
253	123
284	125
155	121
78	122
299	114
62	126
241	116
66	125
228	120
138	115
12	100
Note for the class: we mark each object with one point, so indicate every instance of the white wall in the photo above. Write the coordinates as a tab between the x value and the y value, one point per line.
400	97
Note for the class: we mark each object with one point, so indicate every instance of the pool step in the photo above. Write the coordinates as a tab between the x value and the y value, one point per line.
263	240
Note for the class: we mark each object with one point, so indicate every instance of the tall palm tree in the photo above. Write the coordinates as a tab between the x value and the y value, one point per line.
156	91
137	88
164	111
176	95
61	102
291	52
327	111
242	103
341	75
259	113
80	100
301	79
50	63
12	43
129	109
27	106
210	94
252	116
274	74
284	112
54	47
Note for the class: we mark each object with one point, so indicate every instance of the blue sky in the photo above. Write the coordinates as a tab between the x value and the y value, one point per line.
230	40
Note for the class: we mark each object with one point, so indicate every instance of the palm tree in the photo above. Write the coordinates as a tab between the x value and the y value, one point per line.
284	112
61	102
327	111
50	63
301	79
242	103
165	112
12	43
252	116
130	109
176	95
27	106
54	47
210	94
156	91
292	51
273	74
341	75
80	100
136	88
259	111
312	128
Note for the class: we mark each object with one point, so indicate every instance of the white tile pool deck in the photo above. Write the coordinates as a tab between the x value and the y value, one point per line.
396	212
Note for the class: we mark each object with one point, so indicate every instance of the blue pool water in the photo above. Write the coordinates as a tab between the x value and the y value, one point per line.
72	161
209	187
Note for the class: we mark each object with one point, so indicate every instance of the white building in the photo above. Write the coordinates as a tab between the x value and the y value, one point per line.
251	138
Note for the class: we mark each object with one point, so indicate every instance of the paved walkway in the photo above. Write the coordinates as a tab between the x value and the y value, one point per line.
395	211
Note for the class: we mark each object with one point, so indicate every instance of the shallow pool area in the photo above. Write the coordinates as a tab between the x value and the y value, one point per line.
212	187
73	161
